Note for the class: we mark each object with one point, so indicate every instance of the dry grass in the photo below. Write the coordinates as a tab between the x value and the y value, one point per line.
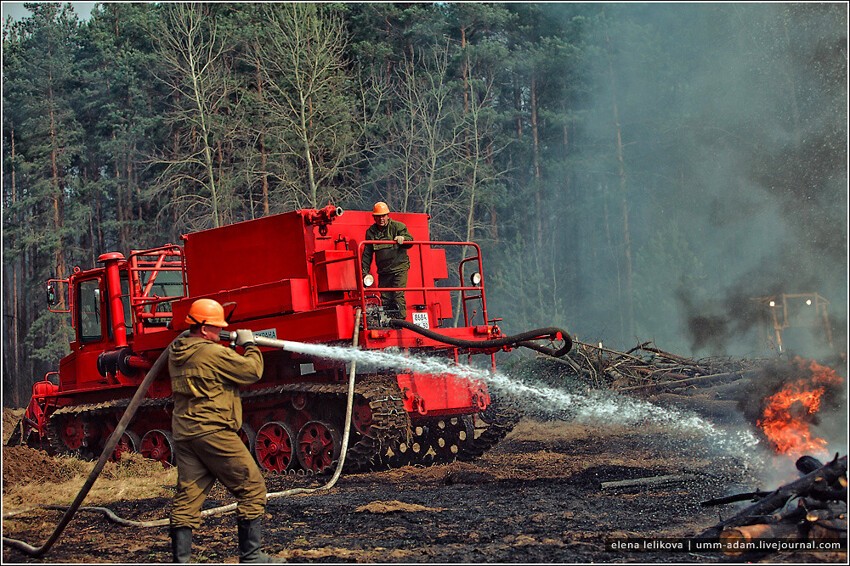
31	478
133	478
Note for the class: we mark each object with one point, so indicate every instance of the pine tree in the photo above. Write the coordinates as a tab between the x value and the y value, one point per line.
48	145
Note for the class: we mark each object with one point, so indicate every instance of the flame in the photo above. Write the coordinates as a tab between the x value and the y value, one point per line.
789	412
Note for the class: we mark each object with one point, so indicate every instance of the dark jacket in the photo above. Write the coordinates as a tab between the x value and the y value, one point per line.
389	257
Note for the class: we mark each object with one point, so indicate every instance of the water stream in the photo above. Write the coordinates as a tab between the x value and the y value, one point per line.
589	407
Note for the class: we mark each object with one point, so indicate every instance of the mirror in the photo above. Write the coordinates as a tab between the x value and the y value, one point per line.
52	297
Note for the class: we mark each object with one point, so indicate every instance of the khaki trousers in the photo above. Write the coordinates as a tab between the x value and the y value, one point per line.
219	456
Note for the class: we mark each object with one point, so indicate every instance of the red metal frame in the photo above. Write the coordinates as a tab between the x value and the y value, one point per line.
168	258
67	296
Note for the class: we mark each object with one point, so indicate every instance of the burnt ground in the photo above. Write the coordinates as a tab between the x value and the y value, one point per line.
537	497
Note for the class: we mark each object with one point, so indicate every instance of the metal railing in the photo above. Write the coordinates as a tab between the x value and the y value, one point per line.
468	293
144	268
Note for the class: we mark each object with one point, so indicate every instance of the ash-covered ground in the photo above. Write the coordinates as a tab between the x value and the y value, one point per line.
539	496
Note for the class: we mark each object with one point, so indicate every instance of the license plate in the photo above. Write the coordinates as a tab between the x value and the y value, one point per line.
421	319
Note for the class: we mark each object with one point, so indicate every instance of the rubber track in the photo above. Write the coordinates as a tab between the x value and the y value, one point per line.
502	421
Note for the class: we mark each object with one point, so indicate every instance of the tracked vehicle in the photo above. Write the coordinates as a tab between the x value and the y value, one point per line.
295	276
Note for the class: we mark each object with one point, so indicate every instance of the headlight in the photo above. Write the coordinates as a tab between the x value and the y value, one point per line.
368	280
476	278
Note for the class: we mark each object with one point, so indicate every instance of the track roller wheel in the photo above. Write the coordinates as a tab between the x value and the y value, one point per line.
361	416
300	401
72	432
157	445
273	447
129	442
318	446
248	437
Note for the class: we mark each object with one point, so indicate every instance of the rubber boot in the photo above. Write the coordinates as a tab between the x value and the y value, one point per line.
181	544
251	541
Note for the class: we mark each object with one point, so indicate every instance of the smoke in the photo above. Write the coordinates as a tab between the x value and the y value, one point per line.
733	122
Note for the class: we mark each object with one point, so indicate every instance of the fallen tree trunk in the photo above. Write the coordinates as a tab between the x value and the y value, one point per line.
736	540
651	481
749	496
748	533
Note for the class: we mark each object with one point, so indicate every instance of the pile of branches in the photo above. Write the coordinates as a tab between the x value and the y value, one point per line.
813	508
646	367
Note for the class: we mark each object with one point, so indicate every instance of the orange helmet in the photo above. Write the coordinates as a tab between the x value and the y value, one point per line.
380	209
206	311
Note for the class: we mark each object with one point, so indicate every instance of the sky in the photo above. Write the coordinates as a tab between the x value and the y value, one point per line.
16	10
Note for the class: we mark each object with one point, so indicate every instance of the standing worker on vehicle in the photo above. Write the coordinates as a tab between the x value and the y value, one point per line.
390	258
207	416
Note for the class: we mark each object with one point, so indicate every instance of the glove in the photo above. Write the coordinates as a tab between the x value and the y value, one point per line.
245	338
399	240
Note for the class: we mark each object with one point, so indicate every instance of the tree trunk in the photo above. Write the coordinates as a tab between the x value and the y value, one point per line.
308	154
654	481
738	536
628	295
788	74
131	189
15	346
535	149
538	190
264	175
464	70
518	110
120	209
59	256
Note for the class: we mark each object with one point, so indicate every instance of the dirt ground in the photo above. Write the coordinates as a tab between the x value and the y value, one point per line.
537	497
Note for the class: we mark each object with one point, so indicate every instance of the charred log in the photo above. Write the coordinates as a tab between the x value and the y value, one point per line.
827	475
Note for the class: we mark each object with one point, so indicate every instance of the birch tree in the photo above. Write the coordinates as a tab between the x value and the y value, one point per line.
194	56
425	134
310	102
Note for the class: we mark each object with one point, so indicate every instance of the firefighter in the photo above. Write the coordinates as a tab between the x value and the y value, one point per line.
207	416
391	258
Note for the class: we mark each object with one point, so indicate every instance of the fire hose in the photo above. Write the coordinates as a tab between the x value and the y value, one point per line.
523	339
128	415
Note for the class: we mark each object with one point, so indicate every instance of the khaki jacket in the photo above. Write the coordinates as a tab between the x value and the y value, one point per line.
205	380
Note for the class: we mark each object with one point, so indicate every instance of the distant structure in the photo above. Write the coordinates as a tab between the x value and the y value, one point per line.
801	316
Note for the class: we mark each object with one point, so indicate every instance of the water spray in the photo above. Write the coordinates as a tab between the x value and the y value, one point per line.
590	407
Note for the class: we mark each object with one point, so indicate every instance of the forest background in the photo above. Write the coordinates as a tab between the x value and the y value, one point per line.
633	172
